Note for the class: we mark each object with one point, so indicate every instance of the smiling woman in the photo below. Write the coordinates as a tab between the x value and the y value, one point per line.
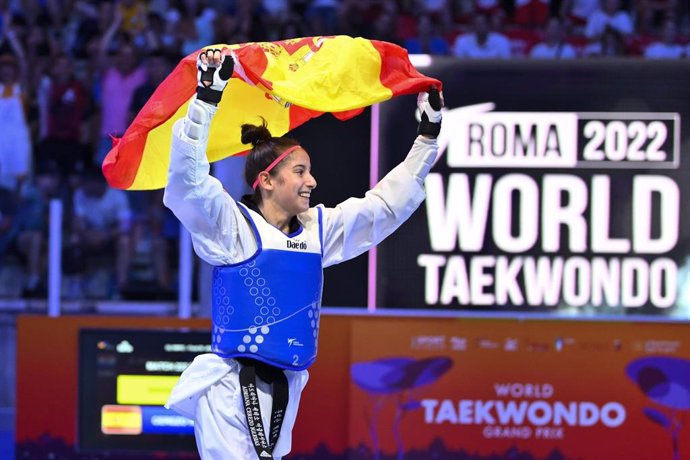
279	170
268	253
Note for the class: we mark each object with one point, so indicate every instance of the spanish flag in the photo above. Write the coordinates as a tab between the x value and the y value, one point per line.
286	82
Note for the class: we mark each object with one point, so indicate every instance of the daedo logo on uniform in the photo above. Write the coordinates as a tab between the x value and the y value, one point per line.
302	245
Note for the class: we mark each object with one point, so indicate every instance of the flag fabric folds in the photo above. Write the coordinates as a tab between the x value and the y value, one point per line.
286	82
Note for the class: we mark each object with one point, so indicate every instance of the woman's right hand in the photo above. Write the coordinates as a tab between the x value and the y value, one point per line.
214	69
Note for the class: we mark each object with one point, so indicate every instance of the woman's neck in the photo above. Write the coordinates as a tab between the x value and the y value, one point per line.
275	216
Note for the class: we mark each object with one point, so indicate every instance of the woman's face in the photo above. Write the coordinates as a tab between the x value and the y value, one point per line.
294	183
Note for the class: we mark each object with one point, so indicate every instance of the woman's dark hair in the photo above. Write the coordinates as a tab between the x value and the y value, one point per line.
265	149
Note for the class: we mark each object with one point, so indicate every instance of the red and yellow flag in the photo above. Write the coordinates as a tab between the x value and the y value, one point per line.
286	82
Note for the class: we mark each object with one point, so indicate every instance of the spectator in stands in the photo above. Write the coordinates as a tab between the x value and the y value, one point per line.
32	224
575	13
481	43
148	212
487	7
668	47
611	15
356	17
15	148
133	17
158	35
322	16
531	13
554	46
65	107
293	27
119	78
195	27
275	15
43	47
101	226
439	11
8	218
651	15
384	28
427	39
90	21
610	44
227	29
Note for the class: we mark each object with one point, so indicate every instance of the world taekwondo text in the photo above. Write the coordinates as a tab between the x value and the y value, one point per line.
549	209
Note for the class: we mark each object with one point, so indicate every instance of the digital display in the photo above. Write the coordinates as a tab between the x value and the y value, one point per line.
125	378
571	198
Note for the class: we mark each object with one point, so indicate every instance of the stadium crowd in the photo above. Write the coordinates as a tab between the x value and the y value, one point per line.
75	73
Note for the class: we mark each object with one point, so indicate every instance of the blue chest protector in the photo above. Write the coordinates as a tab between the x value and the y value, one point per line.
268	307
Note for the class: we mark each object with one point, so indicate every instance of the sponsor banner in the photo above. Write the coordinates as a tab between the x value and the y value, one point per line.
510	389
545	199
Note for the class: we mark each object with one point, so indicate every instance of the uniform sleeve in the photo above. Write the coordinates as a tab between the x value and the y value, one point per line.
219	231
358	224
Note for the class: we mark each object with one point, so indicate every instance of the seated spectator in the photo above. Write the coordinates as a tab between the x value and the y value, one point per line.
531	13
293	27
24	229
427	40
668	47
576	13
100	229
439	11
521	39
357	17
384	28
553	46
610	15
322	16
610	44
481	43
147	205
274	14
8	221
651	15
33	225
487	7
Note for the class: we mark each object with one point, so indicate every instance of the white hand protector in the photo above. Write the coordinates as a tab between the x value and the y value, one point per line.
430	105
214	69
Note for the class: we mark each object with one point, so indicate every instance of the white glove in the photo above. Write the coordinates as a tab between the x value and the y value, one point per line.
214	69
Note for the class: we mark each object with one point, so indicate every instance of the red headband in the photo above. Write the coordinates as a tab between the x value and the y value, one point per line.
274	163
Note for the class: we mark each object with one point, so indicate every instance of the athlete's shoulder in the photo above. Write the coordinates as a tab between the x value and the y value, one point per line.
310	218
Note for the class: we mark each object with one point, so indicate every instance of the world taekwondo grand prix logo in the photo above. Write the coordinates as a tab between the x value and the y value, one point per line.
475	136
